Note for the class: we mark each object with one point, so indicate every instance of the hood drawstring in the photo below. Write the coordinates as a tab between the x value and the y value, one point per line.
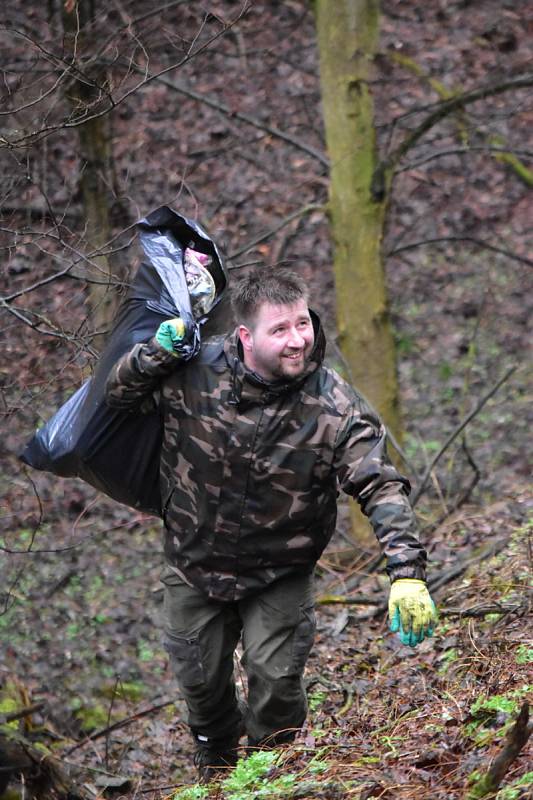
235	395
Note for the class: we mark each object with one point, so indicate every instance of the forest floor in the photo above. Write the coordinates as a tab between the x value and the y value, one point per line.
81	635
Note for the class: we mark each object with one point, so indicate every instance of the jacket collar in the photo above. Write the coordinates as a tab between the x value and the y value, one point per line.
249	386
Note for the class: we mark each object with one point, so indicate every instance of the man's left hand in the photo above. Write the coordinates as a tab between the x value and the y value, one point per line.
412	612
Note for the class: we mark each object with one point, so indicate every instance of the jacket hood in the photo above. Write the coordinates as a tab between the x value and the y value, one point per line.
248	385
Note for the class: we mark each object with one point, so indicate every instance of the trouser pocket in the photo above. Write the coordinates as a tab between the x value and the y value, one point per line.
186	658
304	636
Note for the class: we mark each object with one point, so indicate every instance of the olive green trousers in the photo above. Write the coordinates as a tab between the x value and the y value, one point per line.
276	627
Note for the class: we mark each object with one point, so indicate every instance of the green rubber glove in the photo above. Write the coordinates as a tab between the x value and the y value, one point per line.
170	334
412	612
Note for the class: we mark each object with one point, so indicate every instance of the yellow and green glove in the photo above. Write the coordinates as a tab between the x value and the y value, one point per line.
170	334
412	612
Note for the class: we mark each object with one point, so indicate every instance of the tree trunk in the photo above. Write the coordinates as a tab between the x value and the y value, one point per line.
85	95
347	41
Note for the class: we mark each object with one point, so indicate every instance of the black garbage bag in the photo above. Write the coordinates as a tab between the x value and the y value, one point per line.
116	451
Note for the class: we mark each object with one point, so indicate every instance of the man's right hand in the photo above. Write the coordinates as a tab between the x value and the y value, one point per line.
170	334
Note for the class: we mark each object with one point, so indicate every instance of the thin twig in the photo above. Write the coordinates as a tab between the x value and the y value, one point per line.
357	600
451	438
463	151
300	212
479	242
444	108
25	712
86	115
242	117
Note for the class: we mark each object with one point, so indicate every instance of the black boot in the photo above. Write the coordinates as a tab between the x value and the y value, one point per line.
214	757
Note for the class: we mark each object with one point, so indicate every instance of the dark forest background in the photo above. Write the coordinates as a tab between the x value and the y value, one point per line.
110	110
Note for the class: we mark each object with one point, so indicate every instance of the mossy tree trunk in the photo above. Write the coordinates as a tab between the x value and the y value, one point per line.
348	32
347	40
85	94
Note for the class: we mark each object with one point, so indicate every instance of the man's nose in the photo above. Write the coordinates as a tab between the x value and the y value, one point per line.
296	339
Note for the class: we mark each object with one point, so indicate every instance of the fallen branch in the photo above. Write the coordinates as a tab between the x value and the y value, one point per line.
482	610
25	712
44	774
337	599
514	742
122	723
433	584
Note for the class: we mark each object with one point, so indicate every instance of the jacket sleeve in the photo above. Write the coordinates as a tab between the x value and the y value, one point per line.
365	472
136	376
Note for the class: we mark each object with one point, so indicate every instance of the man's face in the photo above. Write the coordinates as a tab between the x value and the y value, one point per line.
280	340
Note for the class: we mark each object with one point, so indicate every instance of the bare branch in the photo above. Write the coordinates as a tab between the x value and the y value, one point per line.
389	164
239	115
451	438
479	242
86	116
307	209
456	151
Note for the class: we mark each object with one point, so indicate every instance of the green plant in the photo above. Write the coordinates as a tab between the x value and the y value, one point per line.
505	704
250	780
316	699
195	792
145	652
513	791
448	658
90	716
318	765
485	711
524	654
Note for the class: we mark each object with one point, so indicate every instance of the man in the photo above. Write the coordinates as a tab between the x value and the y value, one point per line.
258	436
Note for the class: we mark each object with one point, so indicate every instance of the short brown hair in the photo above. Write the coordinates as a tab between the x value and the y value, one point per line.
281	287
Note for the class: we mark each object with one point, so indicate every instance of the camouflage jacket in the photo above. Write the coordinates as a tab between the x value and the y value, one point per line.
250	470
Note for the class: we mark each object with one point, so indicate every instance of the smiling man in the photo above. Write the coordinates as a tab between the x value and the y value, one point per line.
277	340
258	437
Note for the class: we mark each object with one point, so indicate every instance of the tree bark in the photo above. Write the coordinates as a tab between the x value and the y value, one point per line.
85	93
347	40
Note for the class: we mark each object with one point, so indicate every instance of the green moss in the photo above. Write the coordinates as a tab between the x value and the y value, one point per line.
125	690
91	717
8	706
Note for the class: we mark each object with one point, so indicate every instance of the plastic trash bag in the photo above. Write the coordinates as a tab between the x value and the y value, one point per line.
118	452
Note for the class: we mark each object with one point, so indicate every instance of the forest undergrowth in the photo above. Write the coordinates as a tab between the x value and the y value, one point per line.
81	649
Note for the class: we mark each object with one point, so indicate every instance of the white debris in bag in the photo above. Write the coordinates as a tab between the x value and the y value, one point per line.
200	282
